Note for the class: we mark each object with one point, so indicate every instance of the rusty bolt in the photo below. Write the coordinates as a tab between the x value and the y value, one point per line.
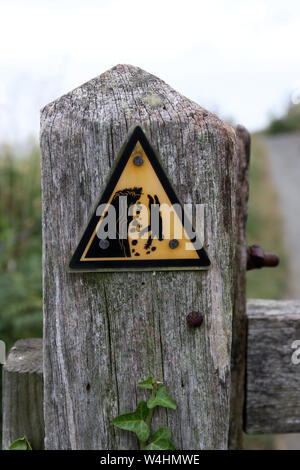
194	318
257	258
271	260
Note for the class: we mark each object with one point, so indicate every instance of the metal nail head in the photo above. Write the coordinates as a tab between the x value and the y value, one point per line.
104	244
138	160
194	319
173	243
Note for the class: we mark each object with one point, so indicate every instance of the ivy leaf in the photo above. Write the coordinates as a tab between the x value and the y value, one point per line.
135	422
161	399
161	440
20	444
148	383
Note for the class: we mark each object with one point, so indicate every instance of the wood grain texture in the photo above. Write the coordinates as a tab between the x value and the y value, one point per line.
273	381
22	397
103	332
238	355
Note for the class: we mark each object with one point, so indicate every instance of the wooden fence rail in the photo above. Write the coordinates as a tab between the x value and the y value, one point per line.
272	377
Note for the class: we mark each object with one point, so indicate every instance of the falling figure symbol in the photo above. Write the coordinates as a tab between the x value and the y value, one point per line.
153	233
120	247
132	196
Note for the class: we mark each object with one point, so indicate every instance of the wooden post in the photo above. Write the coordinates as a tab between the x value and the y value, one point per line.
104	332
238	353
22	398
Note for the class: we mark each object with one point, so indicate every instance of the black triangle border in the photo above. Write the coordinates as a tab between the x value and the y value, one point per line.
75	264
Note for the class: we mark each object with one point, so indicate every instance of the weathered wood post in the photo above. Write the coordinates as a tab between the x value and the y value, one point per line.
23	394
104	332
239	327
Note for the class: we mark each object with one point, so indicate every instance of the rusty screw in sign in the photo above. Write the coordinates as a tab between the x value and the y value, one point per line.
138	160
257	258
194	318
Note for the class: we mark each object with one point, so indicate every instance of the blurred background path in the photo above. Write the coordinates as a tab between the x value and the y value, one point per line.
284	158
284	155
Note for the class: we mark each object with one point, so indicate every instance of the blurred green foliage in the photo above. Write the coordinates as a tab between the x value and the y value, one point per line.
20	246
289	122
265	227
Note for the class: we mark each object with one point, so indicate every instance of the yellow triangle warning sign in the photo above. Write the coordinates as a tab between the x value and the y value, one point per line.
139	223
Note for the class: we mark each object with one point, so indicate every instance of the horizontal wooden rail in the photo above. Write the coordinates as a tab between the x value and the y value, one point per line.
272	378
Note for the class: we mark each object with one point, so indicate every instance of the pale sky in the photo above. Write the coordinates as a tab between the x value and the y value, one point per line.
239	59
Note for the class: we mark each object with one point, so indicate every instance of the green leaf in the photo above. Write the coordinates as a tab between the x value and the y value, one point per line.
135	422
161	440
20	444
161	399
148	383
